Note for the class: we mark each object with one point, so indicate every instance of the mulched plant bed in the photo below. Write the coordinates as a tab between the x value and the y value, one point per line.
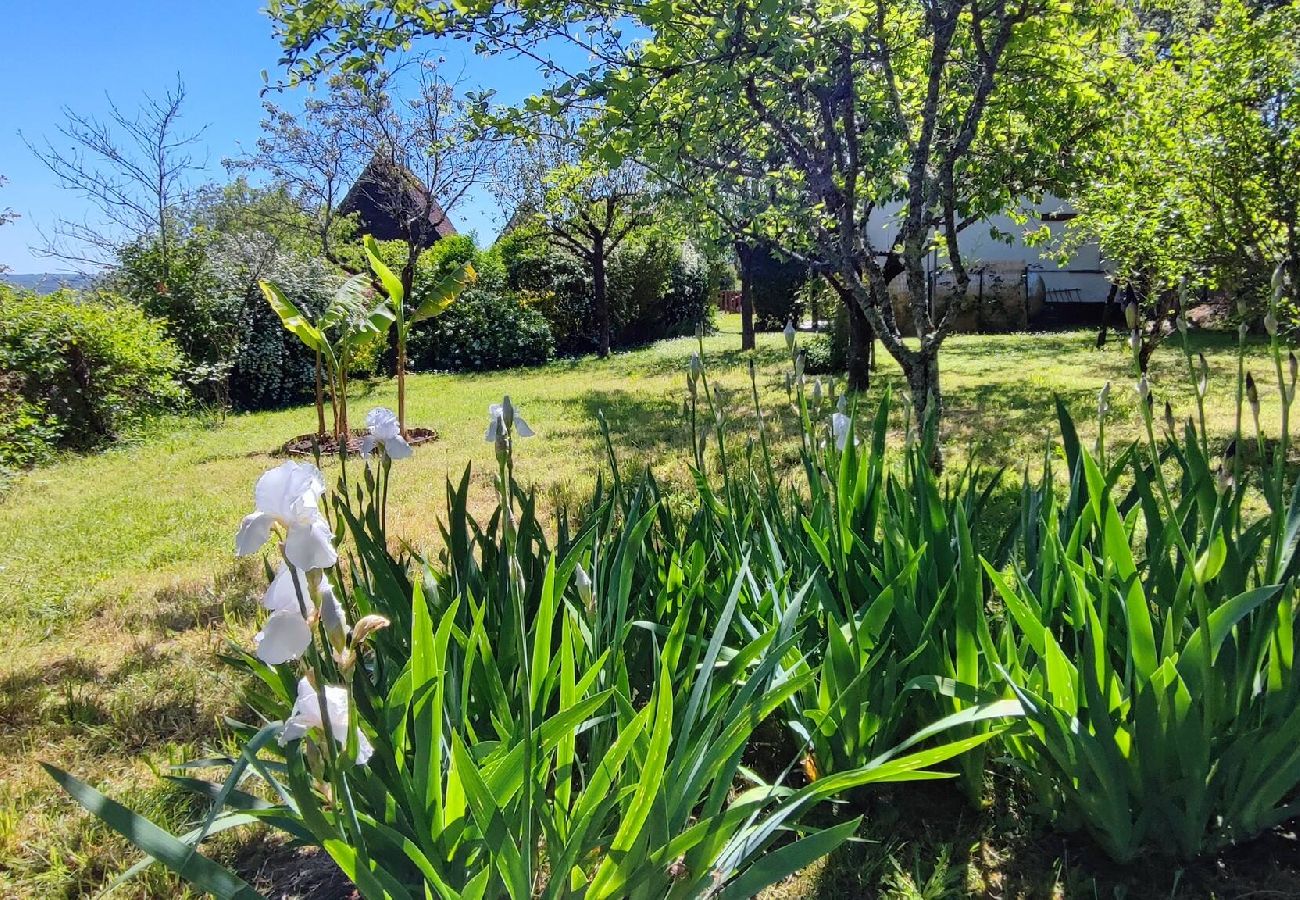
306	444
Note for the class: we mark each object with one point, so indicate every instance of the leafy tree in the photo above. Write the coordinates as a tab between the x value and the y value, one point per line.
583	204
925	116
313	156
427	138
1215	110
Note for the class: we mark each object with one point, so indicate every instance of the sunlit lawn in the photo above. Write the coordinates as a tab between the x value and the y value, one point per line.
118	583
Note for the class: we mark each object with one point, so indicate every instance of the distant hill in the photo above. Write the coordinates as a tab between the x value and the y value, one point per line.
48	282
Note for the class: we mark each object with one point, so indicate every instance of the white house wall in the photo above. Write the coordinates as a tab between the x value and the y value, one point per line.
980	249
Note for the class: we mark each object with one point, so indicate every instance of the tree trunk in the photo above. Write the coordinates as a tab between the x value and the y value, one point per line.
320	400
1107	313
922	373
408	288
744	257
601	295
861	340
401	387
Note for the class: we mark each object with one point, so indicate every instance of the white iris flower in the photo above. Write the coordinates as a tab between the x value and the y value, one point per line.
306	717
282	595
842	425
334	618
386	432
289	496
503	419
285	636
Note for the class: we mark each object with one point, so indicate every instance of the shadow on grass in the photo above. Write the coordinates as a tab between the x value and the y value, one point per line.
638	424
924	840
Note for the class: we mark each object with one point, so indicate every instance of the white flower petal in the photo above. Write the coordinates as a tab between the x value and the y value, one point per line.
368	444
306	694
253	533
294	729
278	488
305	715
841	428
521	427
333	617
285	636
396	448
383	423
364	748
336	702
310	546
282	595
495	423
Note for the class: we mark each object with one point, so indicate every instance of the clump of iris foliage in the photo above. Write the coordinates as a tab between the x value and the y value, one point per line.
568	709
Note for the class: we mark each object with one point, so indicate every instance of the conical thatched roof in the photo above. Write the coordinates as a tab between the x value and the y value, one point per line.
386	196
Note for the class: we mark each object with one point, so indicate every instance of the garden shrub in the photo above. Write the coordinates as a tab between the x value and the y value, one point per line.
182	290
270	368
659	287
776	283
28	434
828	352
487	327
484	329
554	282
78	370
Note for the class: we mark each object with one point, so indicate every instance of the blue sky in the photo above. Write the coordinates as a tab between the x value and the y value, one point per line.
72	53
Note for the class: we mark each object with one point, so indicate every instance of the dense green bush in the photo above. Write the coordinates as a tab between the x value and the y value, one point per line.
554	282
487	327
658	287
484	329
269	368
776	285
828	352
28	434
78	370
178	287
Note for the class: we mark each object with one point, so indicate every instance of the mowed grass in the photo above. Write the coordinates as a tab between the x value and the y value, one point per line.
118	585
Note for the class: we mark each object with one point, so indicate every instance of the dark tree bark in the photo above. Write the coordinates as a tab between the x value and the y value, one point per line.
744	259
862	339
600	293
862	342
1107	312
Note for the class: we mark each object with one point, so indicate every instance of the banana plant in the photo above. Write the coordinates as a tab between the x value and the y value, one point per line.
437	301
350	322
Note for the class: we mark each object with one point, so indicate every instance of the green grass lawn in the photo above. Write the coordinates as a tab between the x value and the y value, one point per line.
119	584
